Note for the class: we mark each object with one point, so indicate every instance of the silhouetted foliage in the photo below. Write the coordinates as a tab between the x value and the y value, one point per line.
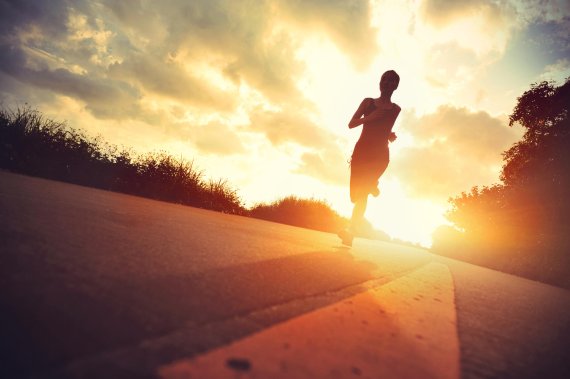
313	214
34	145
307	213
522	225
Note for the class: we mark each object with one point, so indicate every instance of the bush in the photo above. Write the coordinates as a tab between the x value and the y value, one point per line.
522	225
306	213
34	145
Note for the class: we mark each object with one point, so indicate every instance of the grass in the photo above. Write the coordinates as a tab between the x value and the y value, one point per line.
34	145
307	213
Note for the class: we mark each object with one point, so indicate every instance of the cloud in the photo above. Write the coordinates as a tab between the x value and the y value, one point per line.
104	97
442	12
346	23
165	78
455	149
18	15
289	125
483	26
449	65
271	68
140	59
216	138
558	71
232	38
329	166
324	160
543	11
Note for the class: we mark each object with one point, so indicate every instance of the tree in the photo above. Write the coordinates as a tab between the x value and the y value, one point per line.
542	158
523	223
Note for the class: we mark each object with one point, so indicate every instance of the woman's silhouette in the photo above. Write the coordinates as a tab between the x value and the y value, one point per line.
371	154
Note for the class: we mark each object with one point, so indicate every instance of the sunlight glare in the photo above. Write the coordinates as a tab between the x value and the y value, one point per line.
402	217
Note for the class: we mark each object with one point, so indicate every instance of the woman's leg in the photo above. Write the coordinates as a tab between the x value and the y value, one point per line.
347	235
358	214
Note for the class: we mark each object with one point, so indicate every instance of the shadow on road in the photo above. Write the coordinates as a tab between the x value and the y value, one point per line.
49	322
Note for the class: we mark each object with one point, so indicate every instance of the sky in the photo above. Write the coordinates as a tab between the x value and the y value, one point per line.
260	92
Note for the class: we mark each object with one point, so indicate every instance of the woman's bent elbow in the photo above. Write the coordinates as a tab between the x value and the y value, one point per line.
352	124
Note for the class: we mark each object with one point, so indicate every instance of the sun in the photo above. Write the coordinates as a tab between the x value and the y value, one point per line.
401	217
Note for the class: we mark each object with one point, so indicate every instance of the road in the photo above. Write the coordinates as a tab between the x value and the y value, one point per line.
97	284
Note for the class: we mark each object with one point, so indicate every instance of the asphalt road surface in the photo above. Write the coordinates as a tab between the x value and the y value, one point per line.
95	284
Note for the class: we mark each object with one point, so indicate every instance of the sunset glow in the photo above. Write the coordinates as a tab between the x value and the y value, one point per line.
261	93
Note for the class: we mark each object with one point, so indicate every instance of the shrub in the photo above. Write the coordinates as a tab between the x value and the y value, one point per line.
34	145
307	213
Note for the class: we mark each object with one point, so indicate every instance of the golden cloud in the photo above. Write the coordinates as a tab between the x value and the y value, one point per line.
140	59
216	138
329	166
442	12
483	26
288	125
169	79
454	150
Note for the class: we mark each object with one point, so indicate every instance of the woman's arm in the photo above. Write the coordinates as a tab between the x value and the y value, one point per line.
378	114
356	118
392	137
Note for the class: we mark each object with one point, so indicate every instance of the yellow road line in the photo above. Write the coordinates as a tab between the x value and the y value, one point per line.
404	329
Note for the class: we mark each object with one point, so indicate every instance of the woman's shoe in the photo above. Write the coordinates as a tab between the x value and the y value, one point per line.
375	192
346	237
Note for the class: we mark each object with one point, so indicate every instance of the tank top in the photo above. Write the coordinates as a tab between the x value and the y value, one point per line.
375	135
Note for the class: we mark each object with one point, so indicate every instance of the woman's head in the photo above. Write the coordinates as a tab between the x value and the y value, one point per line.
389	81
